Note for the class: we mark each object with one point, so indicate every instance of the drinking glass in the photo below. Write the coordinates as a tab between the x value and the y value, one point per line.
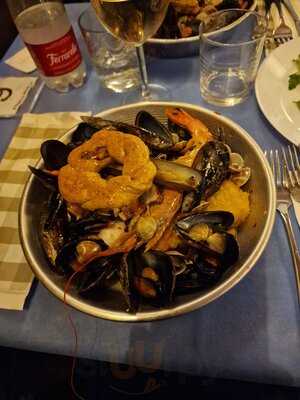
115	61
231	44
135	21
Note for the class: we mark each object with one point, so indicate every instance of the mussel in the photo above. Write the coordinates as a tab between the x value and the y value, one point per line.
55	154
161	135
212	162
48	180
218	220
75	253
89	225
176	176
82	133
54	227
96	275
155	138
206	232
149	275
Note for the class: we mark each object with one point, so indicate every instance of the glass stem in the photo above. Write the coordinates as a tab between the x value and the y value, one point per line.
143	71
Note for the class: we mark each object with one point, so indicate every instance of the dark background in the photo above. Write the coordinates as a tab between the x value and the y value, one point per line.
7	29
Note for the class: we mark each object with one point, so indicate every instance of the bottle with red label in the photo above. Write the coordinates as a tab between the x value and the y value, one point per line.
45	29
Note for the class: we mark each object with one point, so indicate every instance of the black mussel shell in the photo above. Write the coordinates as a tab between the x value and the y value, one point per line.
208	273
82	133
217	220
188	282
54	227
49	181
157	269
111	171
150	276
126	277
89	225
232	251
183	133
55	154
160	133
212	161
96	275
152	139
64	258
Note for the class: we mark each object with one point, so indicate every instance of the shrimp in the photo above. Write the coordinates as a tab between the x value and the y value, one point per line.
165	212
80	182
198	130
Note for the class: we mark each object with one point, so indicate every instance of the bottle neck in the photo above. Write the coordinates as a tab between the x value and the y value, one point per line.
16	7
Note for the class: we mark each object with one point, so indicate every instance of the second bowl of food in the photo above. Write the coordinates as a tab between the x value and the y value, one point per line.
148	211
178	35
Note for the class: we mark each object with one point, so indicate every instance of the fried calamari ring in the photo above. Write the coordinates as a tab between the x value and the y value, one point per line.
80	182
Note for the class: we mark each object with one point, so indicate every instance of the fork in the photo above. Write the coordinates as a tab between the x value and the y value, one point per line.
283	32
292	165
283	204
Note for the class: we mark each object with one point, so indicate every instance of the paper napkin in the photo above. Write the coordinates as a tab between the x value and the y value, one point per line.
13	92
22	61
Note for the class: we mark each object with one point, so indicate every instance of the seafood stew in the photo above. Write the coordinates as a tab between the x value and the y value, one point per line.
184	16
150	208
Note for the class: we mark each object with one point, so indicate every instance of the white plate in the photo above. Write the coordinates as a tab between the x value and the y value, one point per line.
272	94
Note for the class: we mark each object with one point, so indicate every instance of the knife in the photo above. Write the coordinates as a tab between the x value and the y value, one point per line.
293	13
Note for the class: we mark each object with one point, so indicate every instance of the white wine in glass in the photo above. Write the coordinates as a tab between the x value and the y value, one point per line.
135	21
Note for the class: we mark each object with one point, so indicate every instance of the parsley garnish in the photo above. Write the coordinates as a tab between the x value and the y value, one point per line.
297	62
294	81
297	103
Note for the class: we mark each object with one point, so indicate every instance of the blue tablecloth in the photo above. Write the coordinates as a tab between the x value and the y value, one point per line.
250	333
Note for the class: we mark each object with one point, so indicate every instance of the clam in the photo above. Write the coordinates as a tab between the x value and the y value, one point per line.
241	178
236	163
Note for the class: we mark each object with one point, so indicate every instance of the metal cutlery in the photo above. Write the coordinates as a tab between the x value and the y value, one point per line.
283	32
293	13
283	204
292	165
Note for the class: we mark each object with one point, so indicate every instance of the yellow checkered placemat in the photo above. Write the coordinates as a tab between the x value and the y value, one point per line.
15	274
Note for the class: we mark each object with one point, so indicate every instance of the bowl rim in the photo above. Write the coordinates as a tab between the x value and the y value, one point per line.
202	299
194	39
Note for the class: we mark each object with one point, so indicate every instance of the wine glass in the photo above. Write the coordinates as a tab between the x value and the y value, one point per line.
135	21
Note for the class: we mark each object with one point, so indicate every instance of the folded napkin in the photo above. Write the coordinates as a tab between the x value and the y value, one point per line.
22	61
15	274
13	92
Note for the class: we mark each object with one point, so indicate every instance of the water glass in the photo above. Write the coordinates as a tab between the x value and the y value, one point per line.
231	44
114	61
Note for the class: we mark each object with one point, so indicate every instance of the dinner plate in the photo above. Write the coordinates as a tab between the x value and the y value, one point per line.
275	100
253	235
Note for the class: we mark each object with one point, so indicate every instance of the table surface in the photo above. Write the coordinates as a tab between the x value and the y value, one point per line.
250	333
